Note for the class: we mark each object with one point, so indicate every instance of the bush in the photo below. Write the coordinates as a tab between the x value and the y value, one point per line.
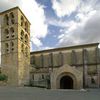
3	77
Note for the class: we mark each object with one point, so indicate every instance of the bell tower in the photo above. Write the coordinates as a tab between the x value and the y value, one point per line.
15	46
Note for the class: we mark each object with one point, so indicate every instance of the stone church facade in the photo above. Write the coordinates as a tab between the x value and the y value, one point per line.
73	67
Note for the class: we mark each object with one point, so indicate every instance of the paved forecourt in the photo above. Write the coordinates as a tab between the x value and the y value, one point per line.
30	93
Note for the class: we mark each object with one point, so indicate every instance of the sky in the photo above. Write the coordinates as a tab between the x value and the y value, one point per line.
59	23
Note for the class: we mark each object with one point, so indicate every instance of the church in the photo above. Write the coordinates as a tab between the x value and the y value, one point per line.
73	67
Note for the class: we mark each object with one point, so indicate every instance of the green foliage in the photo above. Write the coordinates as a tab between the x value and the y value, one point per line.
3	77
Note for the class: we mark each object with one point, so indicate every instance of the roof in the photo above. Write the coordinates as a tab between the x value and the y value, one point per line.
14	9
69	47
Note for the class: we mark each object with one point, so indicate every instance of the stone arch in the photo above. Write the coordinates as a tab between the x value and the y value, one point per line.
66	70
12	31
26	51
6	33
22	35
6	47
12	46
26	26
6	19
66	74
12	18
26	38
12	15
22	21
66	82
22	48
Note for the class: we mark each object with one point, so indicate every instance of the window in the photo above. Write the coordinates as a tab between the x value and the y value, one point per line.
26	38
12	46
22	48
12	18
12	31
6	47
12	21
6	19
11	15
26	51
26	26
22	35
7	33
22	21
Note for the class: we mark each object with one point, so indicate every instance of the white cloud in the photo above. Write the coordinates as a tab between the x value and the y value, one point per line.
86	27
61	36
36	15
64	7
6	4
34	12
86	31
36	41
56	22
46	48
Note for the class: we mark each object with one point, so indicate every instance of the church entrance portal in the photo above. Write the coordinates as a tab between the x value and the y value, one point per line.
66	82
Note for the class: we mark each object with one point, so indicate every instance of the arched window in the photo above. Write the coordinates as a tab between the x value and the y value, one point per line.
12	46
11	15
26	26
26	38
12	18
22	20
26	51
12	31
22	48
6	47
6	19
22	35
7	33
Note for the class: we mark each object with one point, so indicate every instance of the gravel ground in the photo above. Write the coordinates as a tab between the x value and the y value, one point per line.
30	93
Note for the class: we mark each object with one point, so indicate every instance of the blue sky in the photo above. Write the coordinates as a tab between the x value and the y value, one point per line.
57	23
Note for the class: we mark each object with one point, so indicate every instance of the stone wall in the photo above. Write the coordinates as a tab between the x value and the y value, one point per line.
85	58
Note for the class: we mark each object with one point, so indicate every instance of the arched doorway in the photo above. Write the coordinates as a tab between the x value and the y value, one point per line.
66	82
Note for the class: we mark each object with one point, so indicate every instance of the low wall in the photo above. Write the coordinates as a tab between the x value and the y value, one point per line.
3	83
